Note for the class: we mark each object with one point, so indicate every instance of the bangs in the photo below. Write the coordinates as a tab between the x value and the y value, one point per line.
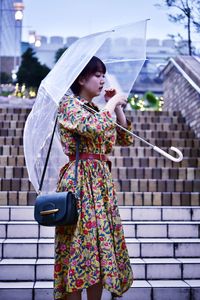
99	67
93	66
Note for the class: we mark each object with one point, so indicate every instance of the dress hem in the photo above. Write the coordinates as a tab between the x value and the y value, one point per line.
105	286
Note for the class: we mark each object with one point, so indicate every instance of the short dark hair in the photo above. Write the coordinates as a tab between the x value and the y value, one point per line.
93	66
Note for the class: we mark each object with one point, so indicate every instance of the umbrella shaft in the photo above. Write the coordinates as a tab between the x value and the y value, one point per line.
134	134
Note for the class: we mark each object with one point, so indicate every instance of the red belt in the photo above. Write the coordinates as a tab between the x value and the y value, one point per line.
98	156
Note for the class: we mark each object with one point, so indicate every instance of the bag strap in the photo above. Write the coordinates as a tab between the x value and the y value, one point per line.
77	138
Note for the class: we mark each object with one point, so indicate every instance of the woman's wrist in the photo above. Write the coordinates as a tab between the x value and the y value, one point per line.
121	118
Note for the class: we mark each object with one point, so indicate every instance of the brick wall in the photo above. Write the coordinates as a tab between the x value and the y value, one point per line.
182	89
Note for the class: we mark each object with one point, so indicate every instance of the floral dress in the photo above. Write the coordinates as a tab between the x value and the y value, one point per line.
94	249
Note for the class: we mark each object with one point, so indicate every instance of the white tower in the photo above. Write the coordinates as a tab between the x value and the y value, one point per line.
11	15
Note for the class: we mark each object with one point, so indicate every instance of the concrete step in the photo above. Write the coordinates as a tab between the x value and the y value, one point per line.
132	161
127	213
17	184
10	172
13	117
153	113
17	197
118	152
134	229
143	269
12	124
159	198
118	161
126	185
140	289
12	132
12	161
139	126
26	110
152	185
147	134
134	118
11	150
146	152
124	198
13	111
159	142
163	247
137	248
156	119
13	172
150	173
11	141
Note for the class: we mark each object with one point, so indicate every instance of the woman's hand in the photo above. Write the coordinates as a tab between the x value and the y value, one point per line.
109	93
116	101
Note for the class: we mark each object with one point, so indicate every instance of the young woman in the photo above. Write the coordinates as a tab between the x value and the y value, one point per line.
91	254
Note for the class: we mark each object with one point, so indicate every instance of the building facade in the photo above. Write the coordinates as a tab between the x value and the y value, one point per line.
49	46
10	34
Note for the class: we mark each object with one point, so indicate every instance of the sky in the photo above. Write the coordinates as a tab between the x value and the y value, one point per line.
82	17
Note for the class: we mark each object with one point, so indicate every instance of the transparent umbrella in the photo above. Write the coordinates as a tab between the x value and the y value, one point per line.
122	49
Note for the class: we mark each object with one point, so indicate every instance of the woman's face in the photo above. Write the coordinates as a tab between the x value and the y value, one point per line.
93	85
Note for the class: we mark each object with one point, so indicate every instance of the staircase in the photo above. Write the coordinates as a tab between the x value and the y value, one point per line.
159	202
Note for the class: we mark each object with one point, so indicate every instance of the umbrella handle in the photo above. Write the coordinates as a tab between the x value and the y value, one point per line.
168	155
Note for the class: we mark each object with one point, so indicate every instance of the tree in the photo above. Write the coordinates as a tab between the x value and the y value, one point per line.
5	78
196	20
31	72
59	53
187	14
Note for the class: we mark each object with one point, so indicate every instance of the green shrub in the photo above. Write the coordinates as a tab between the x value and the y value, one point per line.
148	102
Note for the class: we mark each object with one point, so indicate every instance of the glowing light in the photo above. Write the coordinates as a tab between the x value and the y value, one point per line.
18	7
18	15
14	76
37	42
32	37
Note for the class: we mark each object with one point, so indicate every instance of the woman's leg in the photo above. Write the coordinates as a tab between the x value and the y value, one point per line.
73	296
95	291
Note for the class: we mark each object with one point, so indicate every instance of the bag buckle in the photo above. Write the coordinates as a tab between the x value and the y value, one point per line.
49	212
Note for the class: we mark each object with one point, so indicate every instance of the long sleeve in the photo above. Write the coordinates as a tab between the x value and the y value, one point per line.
124	138
75	118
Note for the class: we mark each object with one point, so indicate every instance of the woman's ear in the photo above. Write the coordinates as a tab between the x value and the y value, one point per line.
81	80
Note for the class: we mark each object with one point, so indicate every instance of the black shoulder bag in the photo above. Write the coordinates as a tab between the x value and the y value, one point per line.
58	208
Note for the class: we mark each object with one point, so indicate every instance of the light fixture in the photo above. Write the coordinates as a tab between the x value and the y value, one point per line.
14	75
18	15
38	41
32	37
18	7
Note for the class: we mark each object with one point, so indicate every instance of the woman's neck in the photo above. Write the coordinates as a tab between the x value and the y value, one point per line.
85	96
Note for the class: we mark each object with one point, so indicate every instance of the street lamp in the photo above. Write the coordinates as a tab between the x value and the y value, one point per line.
13	19
18	8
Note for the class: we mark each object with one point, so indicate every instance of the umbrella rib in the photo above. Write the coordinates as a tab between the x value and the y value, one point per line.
124	60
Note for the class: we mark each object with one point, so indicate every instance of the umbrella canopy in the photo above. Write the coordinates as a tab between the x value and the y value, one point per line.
122	49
